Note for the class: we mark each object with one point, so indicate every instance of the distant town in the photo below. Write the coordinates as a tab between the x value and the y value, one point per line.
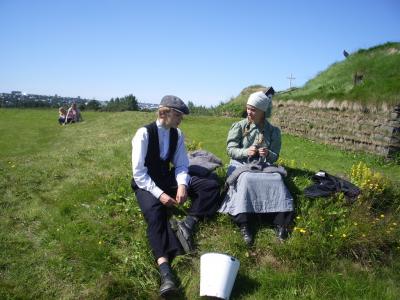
19	99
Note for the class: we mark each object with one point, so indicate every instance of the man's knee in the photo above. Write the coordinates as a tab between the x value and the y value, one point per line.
198	184
156	215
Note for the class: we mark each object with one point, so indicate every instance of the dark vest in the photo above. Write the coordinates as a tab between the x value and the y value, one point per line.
158	169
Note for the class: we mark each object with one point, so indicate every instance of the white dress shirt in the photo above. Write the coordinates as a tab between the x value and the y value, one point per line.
180	159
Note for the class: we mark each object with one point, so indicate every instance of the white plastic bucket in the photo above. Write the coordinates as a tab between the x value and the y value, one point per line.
217	274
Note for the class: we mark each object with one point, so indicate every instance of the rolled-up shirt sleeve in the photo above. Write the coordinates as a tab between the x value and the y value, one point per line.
140	144
181	161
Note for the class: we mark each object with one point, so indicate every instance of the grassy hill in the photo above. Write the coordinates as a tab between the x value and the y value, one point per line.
236	105
380	70
70	227
379	67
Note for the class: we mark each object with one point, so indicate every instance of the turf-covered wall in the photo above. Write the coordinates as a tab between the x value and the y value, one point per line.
349	125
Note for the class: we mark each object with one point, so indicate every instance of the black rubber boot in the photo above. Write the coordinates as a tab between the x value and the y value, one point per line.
282	233
168	285
247	234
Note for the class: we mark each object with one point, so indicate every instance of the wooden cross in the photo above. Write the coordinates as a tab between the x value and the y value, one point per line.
290	80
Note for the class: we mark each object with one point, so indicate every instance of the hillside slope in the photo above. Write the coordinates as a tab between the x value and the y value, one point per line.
378	66
236	106
378	78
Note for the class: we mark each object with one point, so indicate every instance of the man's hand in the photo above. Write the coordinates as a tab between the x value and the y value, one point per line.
252	151
181	194
263	152
167	200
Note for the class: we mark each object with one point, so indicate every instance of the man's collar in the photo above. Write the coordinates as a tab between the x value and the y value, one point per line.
159	125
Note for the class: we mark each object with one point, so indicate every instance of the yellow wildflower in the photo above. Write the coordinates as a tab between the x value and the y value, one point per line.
355	223
382	215
344	235
302	230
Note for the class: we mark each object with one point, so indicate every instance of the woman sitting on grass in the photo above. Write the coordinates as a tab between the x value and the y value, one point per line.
62	114
254	143
73	114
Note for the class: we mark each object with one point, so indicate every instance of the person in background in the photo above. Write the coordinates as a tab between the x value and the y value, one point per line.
158	187
73	114
62	114
257	193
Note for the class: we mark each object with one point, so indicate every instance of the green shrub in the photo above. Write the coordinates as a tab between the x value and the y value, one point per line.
328	228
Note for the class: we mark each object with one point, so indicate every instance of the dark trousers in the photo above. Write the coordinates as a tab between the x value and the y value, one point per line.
205	201
277	218
61	120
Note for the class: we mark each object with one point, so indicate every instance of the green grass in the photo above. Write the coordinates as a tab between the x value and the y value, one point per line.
71	228
380	66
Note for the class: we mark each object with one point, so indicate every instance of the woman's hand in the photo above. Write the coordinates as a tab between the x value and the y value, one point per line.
263	151
252	151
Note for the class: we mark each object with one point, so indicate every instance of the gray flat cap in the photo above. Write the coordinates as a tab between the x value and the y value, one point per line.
175	103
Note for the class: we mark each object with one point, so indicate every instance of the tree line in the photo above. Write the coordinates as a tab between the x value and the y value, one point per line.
126	103
129	103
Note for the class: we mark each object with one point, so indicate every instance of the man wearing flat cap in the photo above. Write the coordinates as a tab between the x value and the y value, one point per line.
159	187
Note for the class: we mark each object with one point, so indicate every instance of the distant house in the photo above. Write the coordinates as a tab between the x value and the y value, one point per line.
147	106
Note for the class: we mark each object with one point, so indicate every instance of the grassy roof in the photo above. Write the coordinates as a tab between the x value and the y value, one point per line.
378	72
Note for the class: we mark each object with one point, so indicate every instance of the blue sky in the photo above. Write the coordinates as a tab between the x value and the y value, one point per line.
202	51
